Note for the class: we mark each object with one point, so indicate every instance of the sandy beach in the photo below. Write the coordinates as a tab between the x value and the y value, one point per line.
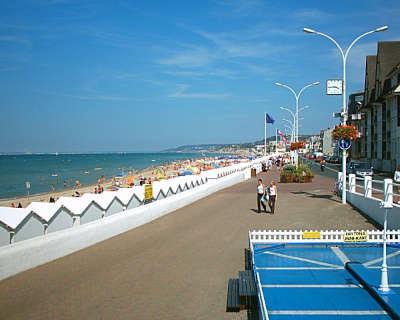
169	170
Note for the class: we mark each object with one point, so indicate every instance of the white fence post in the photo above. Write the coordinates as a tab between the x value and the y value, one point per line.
388	192
367	186
340	181
352	183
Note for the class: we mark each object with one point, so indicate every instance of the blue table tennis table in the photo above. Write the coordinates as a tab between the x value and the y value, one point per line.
324	278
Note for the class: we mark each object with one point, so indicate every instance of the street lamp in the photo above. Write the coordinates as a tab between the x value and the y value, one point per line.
291	129
345	115
297	97
291	125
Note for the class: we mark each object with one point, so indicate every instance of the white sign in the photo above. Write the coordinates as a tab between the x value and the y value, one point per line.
28	185
334	87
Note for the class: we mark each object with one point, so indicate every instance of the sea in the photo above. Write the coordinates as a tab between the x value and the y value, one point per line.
40	173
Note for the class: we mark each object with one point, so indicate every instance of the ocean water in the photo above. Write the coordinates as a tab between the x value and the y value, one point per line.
46	170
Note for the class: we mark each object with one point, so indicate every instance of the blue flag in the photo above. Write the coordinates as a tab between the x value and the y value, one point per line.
269	119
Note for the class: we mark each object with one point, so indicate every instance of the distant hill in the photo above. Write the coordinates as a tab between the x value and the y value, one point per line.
220	146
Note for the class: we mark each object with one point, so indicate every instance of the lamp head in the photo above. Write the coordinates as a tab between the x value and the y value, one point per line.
380	29
316	83
278	83
308	30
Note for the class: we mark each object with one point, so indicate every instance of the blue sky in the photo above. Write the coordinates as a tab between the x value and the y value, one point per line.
148	75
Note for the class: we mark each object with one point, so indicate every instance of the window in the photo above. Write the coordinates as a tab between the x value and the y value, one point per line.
398	110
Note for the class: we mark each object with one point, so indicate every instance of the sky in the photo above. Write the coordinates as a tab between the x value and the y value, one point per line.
94	76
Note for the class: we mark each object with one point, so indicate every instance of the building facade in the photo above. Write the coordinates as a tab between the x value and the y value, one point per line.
378	116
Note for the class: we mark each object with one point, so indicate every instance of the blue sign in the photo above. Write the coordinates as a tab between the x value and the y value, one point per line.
344	144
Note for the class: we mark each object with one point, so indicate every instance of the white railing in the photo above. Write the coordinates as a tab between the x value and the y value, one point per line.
385	190
321	236
372	196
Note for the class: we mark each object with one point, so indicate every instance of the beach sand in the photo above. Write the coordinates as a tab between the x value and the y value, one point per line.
170	169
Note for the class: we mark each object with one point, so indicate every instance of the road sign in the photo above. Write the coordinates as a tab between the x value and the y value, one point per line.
311	235
148	193
355	236
28	184
344	144
334	87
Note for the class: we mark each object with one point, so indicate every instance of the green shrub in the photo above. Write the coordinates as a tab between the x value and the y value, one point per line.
289	168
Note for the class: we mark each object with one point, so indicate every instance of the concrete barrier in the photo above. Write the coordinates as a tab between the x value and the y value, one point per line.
24	255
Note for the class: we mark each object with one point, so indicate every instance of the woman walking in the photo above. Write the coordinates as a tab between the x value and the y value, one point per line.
272	191
260	195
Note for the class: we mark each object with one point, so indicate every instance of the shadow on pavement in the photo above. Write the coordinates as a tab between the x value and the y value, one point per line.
318	196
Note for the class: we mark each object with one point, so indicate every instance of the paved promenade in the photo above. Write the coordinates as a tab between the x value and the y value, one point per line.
176	267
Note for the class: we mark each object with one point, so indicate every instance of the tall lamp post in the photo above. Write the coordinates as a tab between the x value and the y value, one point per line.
297	97
291	126
344	55
294	121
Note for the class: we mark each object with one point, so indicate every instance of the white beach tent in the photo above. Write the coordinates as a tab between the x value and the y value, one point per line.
107	201
21	223
131	197
53	214
83	209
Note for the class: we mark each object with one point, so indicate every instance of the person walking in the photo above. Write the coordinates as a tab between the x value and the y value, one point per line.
260	196
272	191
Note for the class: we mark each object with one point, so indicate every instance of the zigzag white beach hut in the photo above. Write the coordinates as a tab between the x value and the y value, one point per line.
21	224
131	197
83	209
55	216
108	201
161	189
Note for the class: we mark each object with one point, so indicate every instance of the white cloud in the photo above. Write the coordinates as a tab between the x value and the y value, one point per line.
312	14
182	92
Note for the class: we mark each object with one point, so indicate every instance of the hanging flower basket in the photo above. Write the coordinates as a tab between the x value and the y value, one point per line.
349	132
296	145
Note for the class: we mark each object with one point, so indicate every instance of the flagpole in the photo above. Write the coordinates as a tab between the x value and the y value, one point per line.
265	134
276	141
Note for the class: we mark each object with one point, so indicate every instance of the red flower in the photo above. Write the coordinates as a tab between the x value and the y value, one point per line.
345	132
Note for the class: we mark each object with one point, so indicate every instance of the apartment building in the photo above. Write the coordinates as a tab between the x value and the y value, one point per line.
378	116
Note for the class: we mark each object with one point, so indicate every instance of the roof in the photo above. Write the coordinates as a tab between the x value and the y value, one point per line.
44	210
387	58
103	199
76	205
12	217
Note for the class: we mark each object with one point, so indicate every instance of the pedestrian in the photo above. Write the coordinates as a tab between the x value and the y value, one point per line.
52	200
260	196
19	205
272	191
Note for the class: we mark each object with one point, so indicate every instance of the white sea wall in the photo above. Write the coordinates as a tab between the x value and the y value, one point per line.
371	207
24	255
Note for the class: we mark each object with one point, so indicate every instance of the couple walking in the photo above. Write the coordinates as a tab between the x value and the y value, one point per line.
266	194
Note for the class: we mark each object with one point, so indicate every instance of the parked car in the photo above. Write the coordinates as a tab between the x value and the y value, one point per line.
336	160
361	169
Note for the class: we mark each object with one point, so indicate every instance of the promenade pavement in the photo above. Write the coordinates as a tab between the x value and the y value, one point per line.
175	267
